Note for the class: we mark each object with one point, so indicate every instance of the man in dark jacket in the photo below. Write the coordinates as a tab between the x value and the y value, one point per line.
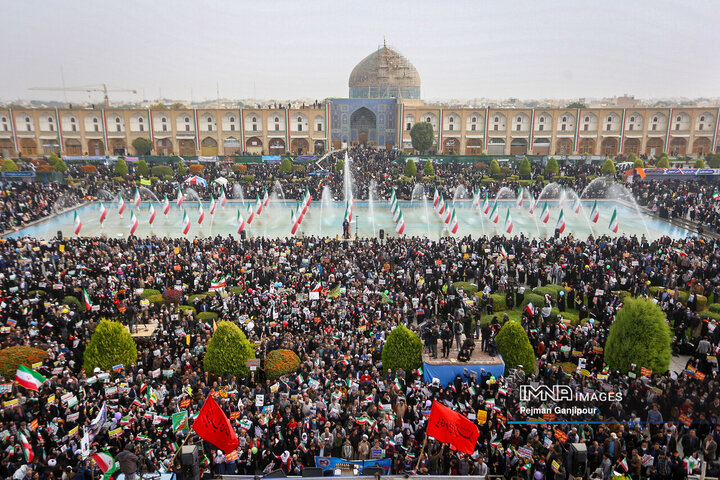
128	461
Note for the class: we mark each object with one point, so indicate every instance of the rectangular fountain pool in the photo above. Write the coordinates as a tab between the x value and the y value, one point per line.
326	220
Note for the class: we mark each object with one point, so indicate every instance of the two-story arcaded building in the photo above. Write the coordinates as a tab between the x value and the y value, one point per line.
383	105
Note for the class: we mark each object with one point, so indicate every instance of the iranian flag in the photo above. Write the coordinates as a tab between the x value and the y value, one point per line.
103	213
533	205
614	222
166	205
223	197
595	213
240	222
26	447
218	284
121	204
212	205
436	198
137	198
448	214
251	214
133	223
624	464
294	222
519	199
396	212
77	224
86	298
201	213
508	222
106	463
503	252
152	214
441	205
476	198
486	205
258	204
348	211
185	223
180	197
266	198
453	223
494	216
576	204
560	225
299	212
530	309
400	225
29	378
393	198
308	198
545	214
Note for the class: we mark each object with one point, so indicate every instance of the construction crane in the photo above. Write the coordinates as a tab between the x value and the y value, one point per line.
90	88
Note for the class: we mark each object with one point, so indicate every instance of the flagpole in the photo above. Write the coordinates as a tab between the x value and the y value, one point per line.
422	452
172	462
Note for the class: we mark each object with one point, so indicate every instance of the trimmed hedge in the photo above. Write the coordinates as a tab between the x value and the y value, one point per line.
162	170
191	299
11	358
550	289
149	292
499	304
281	362
228	350
402	349
110	345
187	308
156	299
206	316
714	307
235	290
72	301
514	346
469	288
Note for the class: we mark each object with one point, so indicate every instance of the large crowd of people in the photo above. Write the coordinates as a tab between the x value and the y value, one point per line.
342	402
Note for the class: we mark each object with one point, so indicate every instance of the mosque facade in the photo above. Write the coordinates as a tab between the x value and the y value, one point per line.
384	102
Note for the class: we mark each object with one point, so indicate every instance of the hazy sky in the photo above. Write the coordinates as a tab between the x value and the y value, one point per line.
294	49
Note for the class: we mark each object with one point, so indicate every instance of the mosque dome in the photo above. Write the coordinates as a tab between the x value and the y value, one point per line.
385	74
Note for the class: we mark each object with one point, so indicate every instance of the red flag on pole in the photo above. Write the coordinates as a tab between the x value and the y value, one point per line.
213	426
448	426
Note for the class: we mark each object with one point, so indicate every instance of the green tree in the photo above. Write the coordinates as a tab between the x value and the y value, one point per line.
576	105
608	168
110	345
281	362
422	136
699	162
514	346
228	350
60	166
142	168
181	168
142	145
410	168
285	166
340	165
494	167
552	167
524	168
402	349
663	162
638	163
53	158
713	160
121	168
428	169
639	336
8	165
12	357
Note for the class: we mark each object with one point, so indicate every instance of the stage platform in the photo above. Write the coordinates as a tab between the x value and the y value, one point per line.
445	369
143	330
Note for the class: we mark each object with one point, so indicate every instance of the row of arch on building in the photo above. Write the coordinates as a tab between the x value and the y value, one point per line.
29	147
521	122
207	122
609	146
